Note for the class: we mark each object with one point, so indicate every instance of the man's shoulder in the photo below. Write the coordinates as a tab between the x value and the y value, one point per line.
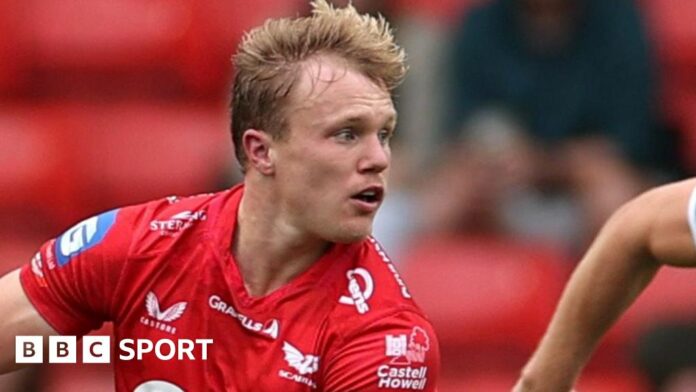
373	289
375	258
171	219
376	310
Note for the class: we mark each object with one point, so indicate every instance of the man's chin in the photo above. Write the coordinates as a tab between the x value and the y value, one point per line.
351	236
351	240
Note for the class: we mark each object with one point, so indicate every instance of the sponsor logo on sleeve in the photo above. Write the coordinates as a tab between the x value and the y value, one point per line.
359	292
161	319
177	222
37	269
304	365
385	258
83	236
269	328
50	257
406	369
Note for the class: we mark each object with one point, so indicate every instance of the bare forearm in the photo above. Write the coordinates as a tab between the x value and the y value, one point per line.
18	318
615	270
650	231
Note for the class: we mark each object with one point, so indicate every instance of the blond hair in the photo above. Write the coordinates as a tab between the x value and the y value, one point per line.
267	62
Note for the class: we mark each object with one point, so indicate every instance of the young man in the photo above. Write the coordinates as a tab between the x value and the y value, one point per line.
657	228
280	272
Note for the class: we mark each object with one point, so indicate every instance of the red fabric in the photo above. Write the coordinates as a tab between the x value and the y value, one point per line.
164	270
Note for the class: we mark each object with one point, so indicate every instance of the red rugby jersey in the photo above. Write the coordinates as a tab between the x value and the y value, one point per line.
164	270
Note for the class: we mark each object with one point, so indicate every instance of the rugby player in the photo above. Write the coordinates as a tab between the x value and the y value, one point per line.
281	271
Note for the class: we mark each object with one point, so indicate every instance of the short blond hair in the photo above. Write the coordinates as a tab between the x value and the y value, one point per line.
267	62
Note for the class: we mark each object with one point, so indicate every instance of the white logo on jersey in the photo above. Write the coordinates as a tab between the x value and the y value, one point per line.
37	265
178	222
304	364
396	345
37	269
158	317
50	260
404	353
170	314
358	296
75	239
157	386
269	328
383	255
405	350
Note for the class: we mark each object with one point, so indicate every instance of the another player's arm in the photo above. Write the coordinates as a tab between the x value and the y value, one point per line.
649	231
17	317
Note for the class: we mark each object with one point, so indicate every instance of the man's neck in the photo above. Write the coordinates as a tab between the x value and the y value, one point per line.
269	251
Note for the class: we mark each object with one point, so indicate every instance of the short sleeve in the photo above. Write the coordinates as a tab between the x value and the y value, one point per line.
72	279
395	353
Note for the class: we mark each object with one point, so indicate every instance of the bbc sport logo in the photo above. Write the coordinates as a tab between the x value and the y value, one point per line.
97	349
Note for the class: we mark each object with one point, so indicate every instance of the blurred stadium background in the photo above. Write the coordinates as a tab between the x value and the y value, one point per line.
113	102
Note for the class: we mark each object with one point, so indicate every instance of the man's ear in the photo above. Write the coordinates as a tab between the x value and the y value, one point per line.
257	147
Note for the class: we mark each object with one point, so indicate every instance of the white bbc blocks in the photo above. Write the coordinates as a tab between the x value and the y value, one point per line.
29	349
62	349
96	349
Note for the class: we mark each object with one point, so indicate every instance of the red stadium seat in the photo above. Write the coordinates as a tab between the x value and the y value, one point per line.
488	299
628	380
159	46
134	152
63	163
37	186
671	23
674	34
76	43
671	296
12	55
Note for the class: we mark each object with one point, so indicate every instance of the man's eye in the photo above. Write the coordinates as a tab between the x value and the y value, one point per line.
346	135
385	135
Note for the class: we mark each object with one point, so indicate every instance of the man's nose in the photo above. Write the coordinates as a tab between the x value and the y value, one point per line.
376	156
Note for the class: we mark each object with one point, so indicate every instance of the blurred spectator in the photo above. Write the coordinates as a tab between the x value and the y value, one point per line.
667	355
421	26
577	78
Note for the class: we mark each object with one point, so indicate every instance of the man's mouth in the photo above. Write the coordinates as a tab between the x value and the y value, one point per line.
371	195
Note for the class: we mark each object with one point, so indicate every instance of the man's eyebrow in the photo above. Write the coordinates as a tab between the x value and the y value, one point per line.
353	118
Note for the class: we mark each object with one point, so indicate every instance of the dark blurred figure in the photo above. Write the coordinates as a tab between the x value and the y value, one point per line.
572	81
667	355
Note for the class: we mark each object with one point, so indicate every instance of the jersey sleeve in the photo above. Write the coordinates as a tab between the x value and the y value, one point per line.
399	352
72	279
